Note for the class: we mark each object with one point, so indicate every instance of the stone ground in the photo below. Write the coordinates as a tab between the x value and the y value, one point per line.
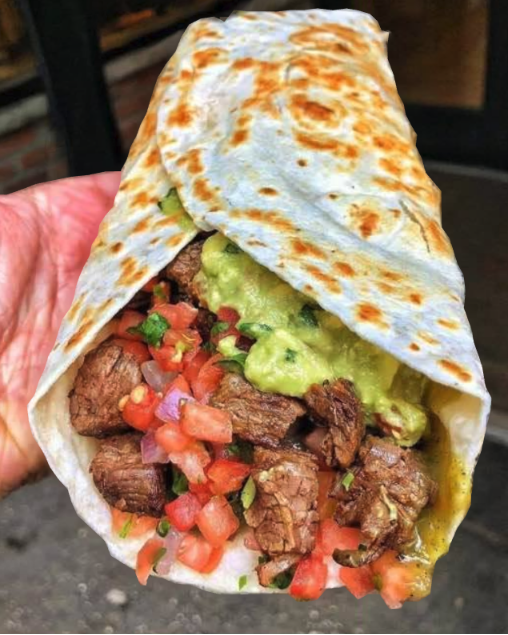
56	576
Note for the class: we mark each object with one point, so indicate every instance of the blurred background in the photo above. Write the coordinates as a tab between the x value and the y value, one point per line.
76	77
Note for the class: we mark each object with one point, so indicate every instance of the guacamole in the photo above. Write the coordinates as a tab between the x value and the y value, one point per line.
298	344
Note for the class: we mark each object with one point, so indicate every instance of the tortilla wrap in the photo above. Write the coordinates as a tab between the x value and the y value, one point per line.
285	132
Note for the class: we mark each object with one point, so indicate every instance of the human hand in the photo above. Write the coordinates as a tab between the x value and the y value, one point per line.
46	233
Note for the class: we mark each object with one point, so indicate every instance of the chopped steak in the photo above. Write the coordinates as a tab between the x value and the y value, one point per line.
259	417
107	375
268	571
390	488
283	514
205	320
336	406
139	302
124	480
185	266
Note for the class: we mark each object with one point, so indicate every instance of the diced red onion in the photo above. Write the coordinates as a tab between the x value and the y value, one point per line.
150	451
169	407
155	376
172	543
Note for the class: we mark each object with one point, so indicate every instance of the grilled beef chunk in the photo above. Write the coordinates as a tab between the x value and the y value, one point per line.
107	374
268	571
205	320
283	514
124	480
259	417
390	488
139	302
336	406
184	267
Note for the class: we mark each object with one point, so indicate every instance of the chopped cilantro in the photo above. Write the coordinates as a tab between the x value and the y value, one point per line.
347	480
248	493
242	581
290	355
231	248
283	580
241	449
180	484
219	327
152	329
163	527
158	557
159	292
127	526
209	347
307	315
234	364
254	330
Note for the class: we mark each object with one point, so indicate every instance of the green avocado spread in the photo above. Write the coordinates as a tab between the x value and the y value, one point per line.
298	344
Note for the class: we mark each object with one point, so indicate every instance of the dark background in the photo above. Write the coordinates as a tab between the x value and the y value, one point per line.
75	80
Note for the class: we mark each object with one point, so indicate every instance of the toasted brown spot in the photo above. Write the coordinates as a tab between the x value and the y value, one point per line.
128	266
106	304
386	288
361	127
75	308
143	198
333	196
391	167
369	313
116	248
244	64
303	248
185	75
239	137
174	240
327	144
180	116
343	269
414	347
261	216
309	289
438	238
448	324
426	337
208	57
455	369
301	106
416	298
141	226
391	143
391	275
254	242
330	283
268	191
130	184
79	335
194	159
368	223
302	163
152	159
155	240
202	190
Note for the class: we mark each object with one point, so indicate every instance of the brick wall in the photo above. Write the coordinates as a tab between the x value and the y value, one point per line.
33	153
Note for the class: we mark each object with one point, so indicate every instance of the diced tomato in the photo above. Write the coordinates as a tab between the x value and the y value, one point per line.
139	411
358	581
171	438
180	316
208	379
195	552
147	556
184	341
129	319
202	491
206	423
217	521
193	362
326	506
227	476
309	580
229	315
148	287
395	579
131	525
220	451
192	461
331	536
180	383
168	358
161	294
250	541
137	349
214	560
182	511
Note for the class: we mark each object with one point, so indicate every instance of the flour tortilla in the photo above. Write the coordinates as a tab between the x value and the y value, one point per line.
285	132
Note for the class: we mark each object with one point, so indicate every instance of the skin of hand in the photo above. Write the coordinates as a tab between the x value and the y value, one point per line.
46	233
